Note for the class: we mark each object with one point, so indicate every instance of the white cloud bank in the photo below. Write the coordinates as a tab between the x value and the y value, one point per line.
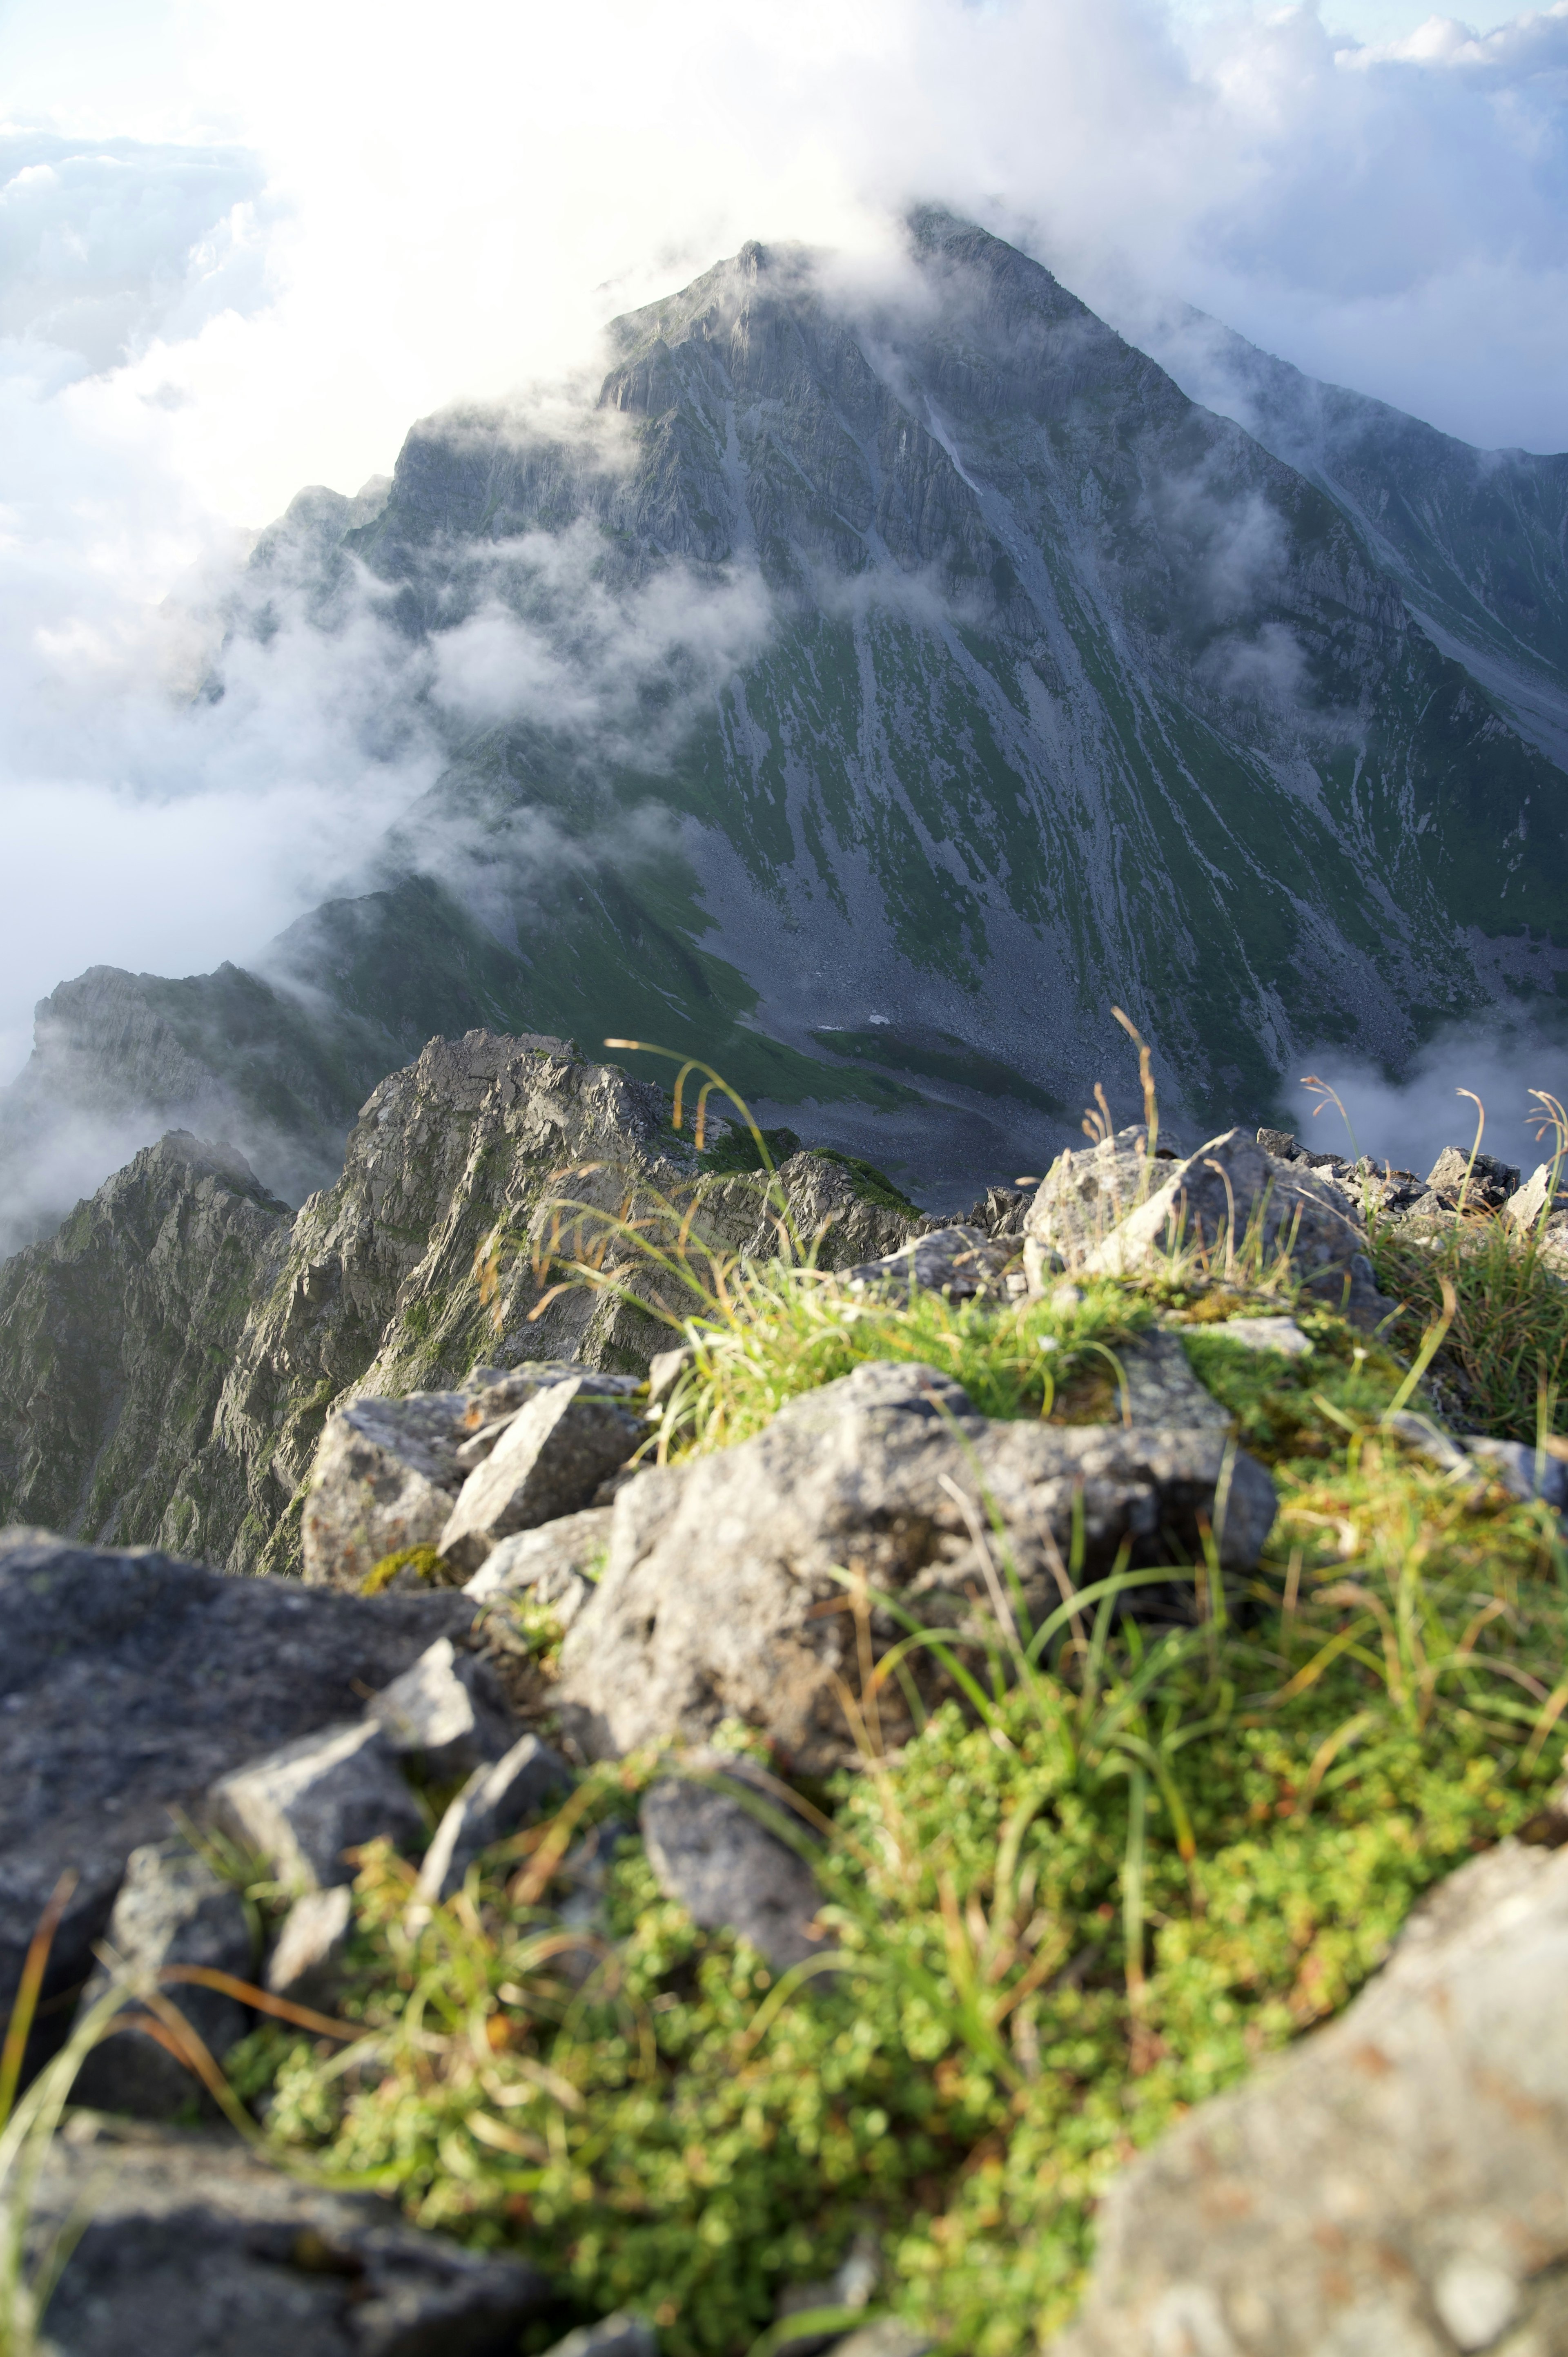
240	254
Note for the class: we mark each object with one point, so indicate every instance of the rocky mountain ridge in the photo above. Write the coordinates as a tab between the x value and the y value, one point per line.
929	672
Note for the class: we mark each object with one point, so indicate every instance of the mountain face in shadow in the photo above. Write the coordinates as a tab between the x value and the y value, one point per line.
874	688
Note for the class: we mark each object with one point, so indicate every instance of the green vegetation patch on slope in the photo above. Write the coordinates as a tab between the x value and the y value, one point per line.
1135	1864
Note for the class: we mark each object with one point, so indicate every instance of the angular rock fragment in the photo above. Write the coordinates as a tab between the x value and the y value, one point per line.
1397	2182
1485	1184
306	1952
387	1471
665	1370
494	1802
725	1595
1280	1334
549	1461
1526	1204
303	1806
193	2248
130	1683
548	1566
172	1910
731	1873
1528	1473
1083	1197
448	1708
961	1263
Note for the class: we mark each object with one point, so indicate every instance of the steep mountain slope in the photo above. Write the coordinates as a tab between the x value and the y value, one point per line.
1477	539
1068	691
873	688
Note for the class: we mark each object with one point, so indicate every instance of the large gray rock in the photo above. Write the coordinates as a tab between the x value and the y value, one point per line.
494	1802
172	1910
549	1461
720	1597
304	1806
1391	2185
709	1850
1083	1196
387	1471
130	1683
1483	1182
448	1709
1231	1190
193	2248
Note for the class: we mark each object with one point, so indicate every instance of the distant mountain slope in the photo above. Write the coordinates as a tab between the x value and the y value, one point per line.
870	691
1477	539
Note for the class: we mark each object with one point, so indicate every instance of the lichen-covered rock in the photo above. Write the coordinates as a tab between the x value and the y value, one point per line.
1230	1199
723	1596
1394	2184
1083	1196
549	1564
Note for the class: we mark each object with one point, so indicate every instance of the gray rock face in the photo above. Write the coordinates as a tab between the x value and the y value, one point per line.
549	1461
306	1952
1394	2183
718	1597
1082	1197
305	1804
494	1802
385	1479
116	1336
130	1683
448	1708
728	1871
1230	1188
172	1910
194	2249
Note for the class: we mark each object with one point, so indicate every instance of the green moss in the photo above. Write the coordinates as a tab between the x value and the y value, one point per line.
426	1563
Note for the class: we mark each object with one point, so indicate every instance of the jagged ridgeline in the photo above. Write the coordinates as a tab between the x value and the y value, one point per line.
873	688
167	1362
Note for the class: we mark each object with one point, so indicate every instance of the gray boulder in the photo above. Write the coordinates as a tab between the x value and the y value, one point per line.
1230	1188
721	1599
383	1479
1485	1185
387	1471
963	1263
494	1802
448	1709
305	1954
549	1461
710	1851
548	1565
129	1683
1393	2185
1083	1196
172	1910
305	1805
193	2248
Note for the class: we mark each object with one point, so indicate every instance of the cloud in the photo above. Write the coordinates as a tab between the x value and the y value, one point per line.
1410	1121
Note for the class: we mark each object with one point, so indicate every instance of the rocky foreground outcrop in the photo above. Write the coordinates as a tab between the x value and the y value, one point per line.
1393	2186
